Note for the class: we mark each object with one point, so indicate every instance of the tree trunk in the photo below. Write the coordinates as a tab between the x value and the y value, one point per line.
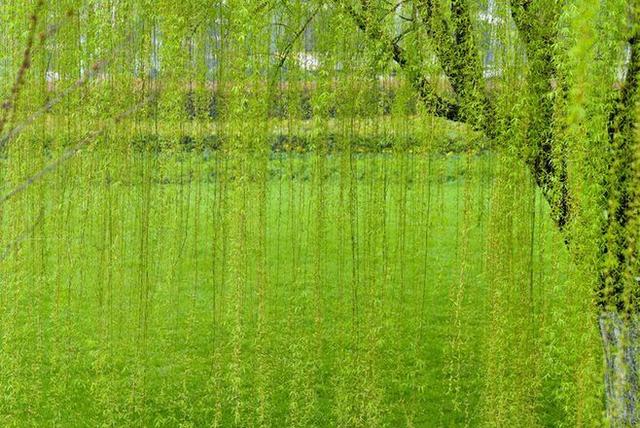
621	343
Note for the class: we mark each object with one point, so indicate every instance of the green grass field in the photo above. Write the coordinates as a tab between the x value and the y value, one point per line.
304	290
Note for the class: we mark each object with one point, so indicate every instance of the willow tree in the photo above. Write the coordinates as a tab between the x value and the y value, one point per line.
562	95
578	71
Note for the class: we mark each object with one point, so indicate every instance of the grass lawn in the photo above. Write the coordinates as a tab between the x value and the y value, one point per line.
303	290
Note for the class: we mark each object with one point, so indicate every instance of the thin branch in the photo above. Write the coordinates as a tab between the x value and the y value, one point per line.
404	18
402	35
287	50
8	107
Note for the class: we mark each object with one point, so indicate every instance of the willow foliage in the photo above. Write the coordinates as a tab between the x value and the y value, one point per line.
319	213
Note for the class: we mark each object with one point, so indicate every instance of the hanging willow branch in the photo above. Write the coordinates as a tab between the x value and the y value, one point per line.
72	151
546	155
16	130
